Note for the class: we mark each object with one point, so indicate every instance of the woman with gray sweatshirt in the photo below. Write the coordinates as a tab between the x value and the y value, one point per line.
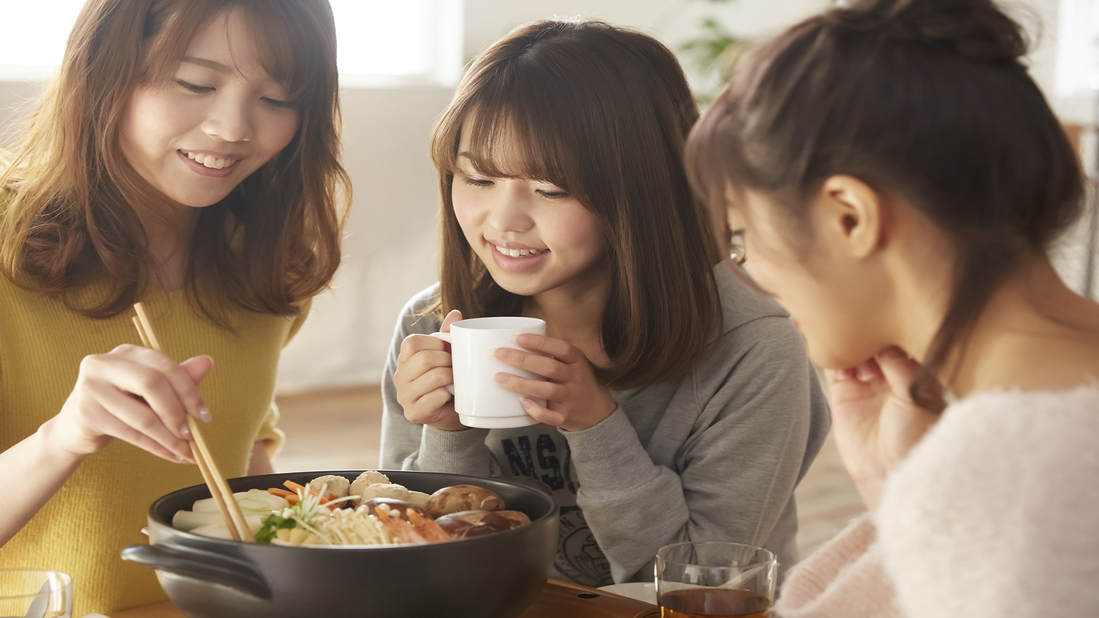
680	403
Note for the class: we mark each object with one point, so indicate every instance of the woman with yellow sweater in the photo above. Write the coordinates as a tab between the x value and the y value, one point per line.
185	156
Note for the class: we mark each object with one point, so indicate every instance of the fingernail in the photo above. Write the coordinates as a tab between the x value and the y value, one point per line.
501	377
179	457
185	430
204	414
526	403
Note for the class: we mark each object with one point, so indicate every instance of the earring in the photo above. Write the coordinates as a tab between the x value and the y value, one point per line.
736	247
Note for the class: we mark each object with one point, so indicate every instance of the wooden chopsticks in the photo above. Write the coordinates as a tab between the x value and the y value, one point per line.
219	489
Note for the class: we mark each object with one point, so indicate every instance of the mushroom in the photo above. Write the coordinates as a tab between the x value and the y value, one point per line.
469	524
462	498
401	507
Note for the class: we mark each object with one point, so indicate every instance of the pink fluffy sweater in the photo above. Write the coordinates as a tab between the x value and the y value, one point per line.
995	514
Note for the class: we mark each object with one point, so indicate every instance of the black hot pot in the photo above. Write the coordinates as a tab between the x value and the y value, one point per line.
484	577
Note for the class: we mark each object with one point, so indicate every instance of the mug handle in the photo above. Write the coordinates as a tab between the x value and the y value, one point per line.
445	337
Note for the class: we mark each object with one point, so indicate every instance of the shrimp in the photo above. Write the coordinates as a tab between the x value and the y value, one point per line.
407	525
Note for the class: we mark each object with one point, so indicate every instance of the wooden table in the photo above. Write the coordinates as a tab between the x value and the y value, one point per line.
558	598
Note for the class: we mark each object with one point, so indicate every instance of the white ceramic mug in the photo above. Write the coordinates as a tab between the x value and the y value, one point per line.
478	399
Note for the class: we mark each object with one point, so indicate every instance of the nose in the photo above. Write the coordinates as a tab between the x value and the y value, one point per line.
509	209
229	120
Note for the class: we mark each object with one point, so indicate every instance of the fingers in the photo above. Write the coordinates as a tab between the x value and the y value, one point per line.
163	370
867	371
539	365
424	361
541	389
434	379
413	344
450	318
542	414
557	348
899	370
197	367
135	422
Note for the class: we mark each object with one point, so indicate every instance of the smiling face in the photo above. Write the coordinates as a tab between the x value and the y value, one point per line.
532	236
222	117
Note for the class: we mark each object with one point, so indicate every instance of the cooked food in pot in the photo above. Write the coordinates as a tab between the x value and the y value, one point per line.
371	511
335	485
468	524
457	498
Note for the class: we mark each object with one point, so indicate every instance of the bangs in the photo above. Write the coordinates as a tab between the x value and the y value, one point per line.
292	42
512	135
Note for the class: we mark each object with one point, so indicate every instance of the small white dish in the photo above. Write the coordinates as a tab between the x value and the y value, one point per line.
641	591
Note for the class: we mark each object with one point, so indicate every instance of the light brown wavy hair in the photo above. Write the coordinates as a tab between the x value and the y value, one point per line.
603	113
68	196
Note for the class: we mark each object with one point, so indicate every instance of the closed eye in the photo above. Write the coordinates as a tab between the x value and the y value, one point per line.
277	103
193	88
473	182
553	195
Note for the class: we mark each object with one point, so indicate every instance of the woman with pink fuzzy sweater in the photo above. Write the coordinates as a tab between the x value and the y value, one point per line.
897	179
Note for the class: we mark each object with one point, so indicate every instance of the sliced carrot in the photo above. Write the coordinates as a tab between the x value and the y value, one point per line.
292	486
282	493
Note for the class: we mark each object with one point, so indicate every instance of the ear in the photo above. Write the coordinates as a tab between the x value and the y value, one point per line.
852	213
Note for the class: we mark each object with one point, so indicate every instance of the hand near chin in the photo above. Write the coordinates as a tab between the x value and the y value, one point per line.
575	400
875	420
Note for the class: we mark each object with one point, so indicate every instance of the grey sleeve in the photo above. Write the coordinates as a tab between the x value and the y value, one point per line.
408	446
735	471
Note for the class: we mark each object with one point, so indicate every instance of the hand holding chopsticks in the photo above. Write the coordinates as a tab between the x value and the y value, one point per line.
219	489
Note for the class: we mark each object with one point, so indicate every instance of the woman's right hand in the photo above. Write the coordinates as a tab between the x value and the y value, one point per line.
133	394
875	421
423	371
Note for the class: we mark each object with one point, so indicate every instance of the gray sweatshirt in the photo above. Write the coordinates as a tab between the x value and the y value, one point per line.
712	456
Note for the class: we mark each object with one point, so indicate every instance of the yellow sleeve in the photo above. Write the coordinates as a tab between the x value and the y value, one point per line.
269	433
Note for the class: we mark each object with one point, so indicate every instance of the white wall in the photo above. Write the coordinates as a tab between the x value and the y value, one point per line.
391	248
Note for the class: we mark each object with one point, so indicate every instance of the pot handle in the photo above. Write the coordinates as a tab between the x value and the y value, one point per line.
201	565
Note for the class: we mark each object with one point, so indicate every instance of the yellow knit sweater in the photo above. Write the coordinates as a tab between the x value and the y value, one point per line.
103	506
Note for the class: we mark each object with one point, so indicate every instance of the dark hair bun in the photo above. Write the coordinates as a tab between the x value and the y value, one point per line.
976	29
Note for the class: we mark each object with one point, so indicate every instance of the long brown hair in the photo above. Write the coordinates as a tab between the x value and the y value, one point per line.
68	195
925	99
603	113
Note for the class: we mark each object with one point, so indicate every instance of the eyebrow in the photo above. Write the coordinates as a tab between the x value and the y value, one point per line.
209	64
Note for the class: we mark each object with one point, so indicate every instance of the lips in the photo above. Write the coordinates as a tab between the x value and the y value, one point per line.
211	161
204	164
516	257
520	252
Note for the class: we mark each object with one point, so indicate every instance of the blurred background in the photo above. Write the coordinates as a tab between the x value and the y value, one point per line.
399	63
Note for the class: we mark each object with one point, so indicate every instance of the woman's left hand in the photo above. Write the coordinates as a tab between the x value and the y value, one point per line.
575	400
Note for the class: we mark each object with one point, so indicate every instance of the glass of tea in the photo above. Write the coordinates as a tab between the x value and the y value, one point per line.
712	580
35	593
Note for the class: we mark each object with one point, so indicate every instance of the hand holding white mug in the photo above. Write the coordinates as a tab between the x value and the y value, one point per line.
876	422
479	400
134	394
422	375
